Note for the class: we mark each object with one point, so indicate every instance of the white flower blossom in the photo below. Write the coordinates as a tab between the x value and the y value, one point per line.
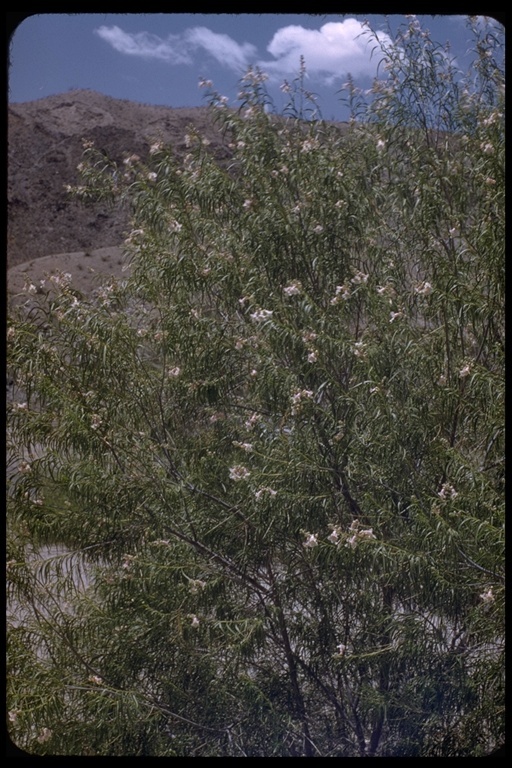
298	397
447	492
308	145
194	622
360	278
342	293
44	735
196	585
492	118
96	679
487	597
260	315
247	447
318	229
394	316
334	536
173	373
311	541
359	349
423	289
465	371
313	356
249	424
270	491
359	534
205	83
130	160
156	147
293	289
366	533
341	649
133	234
96	421
238	472
386	290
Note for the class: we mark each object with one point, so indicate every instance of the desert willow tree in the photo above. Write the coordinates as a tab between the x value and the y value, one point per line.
256	505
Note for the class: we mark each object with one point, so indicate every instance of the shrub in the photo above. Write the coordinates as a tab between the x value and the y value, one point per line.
273	455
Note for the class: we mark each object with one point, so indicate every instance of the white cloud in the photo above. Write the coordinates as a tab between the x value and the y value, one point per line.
146	45
178	49
222	47
332	51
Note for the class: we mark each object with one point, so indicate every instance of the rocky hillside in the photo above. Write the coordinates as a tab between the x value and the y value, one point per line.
44	148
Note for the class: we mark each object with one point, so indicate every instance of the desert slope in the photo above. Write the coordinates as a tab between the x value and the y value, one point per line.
44	148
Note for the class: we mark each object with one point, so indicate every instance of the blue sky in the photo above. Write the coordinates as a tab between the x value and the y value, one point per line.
159	58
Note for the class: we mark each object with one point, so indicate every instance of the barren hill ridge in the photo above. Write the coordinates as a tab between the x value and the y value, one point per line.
44	148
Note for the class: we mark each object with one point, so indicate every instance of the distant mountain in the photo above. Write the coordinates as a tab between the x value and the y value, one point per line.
44	148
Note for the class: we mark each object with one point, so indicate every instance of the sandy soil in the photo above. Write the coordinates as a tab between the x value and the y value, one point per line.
87	269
